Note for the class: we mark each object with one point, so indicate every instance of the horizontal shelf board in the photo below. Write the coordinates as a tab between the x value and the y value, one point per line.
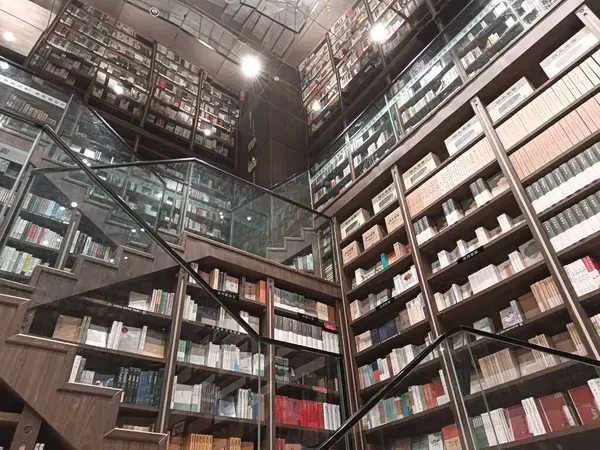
305	318
385	245
231	299
285	426
121	309
459	192
561	439
580	248
180	414
9	419
378	281
373	220
494	207
419	373
86	348
223	372
414	333
571	200
501	246
441	415
287	387
482	303
134	408
378	315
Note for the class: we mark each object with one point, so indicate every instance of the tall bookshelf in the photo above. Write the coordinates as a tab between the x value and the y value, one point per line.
162	339
147	88
467	45
476	225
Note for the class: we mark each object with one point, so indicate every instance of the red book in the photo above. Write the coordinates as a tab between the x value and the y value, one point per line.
450	437
438	388
279	409
584	403
304	413
321	423
518	422
430	400
555	411
295	412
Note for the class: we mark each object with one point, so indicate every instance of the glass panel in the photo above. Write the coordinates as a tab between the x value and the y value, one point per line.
529	398
486	28
372	135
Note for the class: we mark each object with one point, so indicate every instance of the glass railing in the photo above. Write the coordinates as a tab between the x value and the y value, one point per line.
462	50
187	196
183	340
539	394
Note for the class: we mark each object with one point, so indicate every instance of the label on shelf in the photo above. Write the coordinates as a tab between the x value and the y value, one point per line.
31	91
471	254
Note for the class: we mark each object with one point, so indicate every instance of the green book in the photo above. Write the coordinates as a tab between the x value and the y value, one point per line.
405	408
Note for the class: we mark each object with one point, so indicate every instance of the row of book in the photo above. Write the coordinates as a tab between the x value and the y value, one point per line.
401	282
292	301
85	245
22	106
414	313
285	373
206	312
206	398
140	387
527	255
584	274
142	341
446	439
47	208
222	281
483	237
538	416
391	364
305	334
159	301
24	230
203	228
417	399
221	356
561	94
18	262
304	263
194	441
307	413
544	296
202	196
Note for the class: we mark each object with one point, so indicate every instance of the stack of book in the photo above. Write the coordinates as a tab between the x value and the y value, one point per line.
85	245
159	301
18	262
301	333
224	282
206	312
206	398
47	208
140	387
584	275
307	413
22	106
304	263
416	400
221	356
119	337
27	231
298	303
447	438
195	441
413	314
392	363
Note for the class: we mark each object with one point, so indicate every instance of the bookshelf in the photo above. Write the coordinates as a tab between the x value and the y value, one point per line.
487	222
469	44
140	83
125	332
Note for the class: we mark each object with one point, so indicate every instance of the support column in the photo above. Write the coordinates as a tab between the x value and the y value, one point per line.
423	271
580	319
269	438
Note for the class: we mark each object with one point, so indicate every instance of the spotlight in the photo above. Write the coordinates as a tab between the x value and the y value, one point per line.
250	66
248	218
378	33
316	106
73	204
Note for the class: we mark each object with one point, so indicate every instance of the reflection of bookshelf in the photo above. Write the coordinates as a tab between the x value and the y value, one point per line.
218	118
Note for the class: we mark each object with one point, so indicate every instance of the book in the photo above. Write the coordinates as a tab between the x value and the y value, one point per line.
67	328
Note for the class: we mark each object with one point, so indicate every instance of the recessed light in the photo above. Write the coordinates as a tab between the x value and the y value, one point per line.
9	37
4	65
133	230
73	204
378	33
316	106
250	65
248	218
111	260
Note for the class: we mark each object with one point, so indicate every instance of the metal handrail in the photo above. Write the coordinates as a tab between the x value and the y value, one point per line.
401	376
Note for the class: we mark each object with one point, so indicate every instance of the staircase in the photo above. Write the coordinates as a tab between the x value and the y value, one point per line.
38	369
296	245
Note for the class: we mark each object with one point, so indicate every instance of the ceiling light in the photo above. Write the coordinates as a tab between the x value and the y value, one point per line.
378	33
9	37
133	230
118	90
73	204
250	65
4	65
316	106
248	218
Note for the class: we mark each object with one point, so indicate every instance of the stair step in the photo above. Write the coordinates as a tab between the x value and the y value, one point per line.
40	342
90	389
137	436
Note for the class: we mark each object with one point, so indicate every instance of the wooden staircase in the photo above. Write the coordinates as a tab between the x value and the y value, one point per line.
37	370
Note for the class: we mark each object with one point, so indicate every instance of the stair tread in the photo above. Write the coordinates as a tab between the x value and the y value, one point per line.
40	342
133	435
90	389
9	418
12	300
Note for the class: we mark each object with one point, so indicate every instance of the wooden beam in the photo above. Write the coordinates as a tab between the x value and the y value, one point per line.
26	434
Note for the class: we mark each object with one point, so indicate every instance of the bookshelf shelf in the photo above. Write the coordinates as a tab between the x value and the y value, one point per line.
441	415
290	388
410	334
215	420
288	427
138	409
382	277
571	200
220	373
132	358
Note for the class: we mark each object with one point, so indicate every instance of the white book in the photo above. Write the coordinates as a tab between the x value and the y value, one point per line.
195	403
142	339
111	336
594	385
490	432
435	441
117	335
97	336
75	369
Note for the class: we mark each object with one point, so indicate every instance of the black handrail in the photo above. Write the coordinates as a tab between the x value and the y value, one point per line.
396	380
